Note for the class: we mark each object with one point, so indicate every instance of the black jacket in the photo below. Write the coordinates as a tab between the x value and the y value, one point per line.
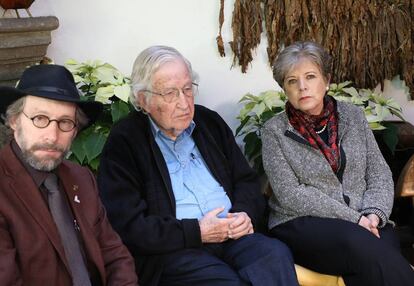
136	190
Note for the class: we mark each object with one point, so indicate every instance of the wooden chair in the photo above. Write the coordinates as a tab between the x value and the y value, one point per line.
308	277
405	183
405	189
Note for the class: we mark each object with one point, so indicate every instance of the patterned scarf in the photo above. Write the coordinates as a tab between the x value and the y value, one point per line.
306	124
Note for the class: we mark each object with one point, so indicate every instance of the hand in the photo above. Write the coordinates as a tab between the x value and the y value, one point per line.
241	225
374	219
366	223
214	229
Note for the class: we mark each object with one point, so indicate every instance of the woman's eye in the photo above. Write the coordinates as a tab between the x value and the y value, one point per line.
310	76
291	81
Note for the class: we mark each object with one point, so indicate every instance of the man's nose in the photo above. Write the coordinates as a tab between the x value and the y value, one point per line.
183	100
52	131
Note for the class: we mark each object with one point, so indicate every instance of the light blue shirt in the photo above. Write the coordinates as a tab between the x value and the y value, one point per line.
195	189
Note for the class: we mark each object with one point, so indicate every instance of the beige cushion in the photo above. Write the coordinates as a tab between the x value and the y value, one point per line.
308	277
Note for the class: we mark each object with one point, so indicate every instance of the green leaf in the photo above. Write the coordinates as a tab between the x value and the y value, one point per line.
351	90
390	135
376	126
123	92
268	114
343	84
77	78
94	164
119	109
106	74
93	145
382	112
258	109
77	146
103	94
242	124
252	144
246	110
343	98
248	97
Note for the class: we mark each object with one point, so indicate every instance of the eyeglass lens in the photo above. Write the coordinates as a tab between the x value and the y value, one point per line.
42	121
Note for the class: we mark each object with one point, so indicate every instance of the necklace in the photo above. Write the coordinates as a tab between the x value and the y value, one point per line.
322	130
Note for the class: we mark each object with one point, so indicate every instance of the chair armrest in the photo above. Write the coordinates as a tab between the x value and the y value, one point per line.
308	277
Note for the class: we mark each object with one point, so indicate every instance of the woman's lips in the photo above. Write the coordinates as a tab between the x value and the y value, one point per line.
304	98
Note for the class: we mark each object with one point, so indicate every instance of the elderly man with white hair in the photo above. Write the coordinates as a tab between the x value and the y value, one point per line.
179	191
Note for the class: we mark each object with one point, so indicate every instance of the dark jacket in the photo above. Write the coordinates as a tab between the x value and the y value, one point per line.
31	251
136	189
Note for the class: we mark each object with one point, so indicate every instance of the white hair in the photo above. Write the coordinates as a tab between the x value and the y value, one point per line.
147	64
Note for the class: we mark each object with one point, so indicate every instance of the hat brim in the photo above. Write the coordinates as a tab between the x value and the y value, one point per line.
8	95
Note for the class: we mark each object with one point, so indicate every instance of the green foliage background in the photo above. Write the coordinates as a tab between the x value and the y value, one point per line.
101	82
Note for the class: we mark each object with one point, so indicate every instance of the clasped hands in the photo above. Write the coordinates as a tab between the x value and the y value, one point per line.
370	222
214	229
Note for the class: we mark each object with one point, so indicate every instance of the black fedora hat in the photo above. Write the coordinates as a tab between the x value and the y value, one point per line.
52	82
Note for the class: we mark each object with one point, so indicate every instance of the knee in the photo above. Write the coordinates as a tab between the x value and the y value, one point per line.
275	248
369	249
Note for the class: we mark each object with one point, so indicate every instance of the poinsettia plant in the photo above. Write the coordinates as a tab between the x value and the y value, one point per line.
258	109
98	81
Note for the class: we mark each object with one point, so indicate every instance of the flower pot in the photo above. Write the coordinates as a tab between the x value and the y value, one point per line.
16	4
23	42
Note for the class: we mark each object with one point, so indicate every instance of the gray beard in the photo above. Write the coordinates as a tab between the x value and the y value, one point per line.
47	164
41	165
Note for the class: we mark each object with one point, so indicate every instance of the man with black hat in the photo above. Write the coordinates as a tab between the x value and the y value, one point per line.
53	227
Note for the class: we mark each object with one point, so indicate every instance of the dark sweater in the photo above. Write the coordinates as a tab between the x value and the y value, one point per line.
136	189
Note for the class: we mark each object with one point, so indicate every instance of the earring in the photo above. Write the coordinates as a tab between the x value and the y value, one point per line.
327	87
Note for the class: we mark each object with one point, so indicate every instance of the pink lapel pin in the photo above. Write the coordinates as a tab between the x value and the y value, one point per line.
76	199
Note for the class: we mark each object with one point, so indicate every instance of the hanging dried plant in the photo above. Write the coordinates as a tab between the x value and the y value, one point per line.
370	40
219	39
247	28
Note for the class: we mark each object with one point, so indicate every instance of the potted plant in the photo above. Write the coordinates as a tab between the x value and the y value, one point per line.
16	4
98	81
258	109
23	41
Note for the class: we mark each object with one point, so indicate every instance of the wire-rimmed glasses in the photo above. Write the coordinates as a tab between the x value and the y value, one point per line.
42	121
172	94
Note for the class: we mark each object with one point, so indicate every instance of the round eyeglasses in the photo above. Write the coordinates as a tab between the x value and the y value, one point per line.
42	121
172	94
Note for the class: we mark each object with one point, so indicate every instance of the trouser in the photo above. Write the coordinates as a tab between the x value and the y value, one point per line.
339	247
250	260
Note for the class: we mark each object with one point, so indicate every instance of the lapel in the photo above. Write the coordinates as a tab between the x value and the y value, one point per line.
23	186
209	149
159	161
74	190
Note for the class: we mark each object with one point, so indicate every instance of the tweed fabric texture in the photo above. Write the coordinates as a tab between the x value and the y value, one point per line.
304	184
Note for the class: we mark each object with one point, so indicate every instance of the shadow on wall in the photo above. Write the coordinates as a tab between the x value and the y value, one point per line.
5	135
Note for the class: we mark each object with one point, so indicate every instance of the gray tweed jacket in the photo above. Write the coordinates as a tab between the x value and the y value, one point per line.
304	184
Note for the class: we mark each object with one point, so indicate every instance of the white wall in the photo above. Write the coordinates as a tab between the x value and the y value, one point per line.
116	31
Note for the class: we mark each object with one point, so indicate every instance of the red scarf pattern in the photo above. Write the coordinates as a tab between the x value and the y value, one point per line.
306	124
